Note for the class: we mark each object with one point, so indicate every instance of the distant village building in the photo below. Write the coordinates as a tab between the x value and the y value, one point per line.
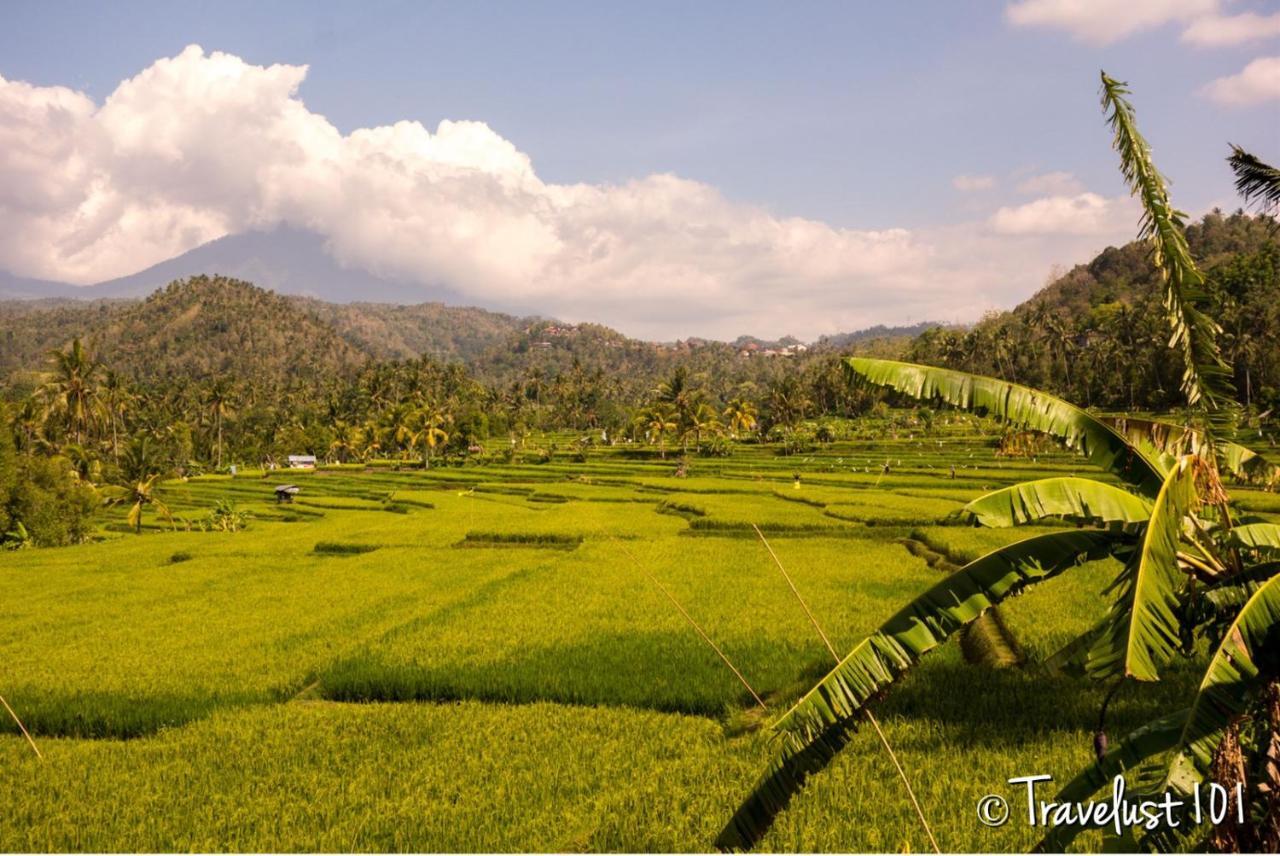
302	462
752	349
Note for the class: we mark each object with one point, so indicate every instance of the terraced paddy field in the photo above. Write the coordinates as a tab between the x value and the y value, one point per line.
481	657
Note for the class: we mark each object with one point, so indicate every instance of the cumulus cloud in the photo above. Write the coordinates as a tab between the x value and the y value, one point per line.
970	183
1082	214
202	145
1258	82
1102	22
1213	31
1051	184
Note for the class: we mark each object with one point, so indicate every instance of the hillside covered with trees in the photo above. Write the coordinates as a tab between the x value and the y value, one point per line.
1097	335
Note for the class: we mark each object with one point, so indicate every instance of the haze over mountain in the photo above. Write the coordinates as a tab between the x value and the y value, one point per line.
297	263
284	260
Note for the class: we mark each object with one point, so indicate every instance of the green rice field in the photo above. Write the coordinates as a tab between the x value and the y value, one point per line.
481	657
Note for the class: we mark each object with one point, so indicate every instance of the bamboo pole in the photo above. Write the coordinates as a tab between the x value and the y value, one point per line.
692	623
796	592
25	733
902	774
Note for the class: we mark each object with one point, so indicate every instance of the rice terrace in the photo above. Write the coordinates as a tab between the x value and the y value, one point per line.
518	598
301	550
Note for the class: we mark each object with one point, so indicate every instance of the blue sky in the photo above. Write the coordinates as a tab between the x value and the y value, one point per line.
859	116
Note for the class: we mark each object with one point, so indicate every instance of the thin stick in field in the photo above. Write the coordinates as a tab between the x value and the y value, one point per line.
692	623
902	774
796	592
25	733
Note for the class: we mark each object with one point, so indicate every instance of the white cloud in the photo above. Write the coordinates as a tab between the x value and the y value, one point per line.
1082	214
1051	184
1102	22
200	145
1258	82
970	183
1214	31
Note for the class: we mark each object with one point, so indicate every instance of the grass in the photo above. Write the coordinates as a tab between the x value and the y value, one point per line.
535	690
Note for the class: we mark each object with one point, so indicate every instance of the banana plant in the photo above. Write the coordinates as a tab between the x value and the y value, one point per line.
1182	561
1191	569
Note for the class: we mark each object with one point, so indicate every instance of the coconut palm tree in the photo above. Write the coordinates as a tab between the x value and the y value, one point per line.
657	421
138	494
117	399
217	404
140	485
741	416
70	389
430	432
705	422
788	401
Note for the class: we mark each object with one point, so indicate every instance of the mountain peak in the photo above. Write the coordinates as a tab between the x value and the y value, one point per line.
285	260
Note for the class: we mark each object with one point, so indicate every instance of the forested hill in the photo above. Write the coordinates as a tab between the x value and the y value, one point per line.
388	331
1098	334
198	329
206	327
210	327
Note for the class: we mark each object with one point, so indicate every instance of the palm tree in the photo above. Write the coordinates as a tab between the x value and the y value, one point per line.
371	434
741	416
703	421
138	495
430	432
69	388
681	396
346	443
217	404
116	401
788	401
138	489
657	422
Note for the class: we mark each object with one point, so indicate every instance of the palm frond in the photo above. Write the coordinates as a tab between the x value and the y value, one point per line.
1143	624
1256	181
1206	377
822	722
1021	406
1075	499
1174	440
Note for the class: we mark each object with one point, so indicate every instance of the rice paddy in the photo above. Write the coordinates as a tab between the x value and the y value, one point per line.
484	657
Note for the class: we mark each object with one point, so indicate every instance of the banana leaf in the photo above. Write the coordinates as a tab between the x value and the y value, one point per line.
1257	536
1071	659
822	722
1233	592
1021	406
1156	737
1217	607
1248	655
1075	499
1143	626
